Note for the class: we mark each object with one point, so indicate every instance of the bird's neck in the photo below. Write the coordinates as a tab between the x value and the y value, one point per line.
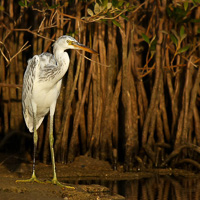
62	60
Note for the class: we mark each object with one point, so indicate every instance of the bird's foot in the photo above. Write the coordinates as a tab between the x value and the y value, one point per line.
31	180
54	181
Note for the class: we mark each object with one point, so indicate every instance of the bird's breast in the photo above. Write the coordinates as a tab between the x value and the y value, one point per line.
44	95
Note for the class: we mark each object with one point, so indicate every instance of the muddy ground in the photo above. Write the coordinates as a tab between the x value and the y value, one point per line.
12	168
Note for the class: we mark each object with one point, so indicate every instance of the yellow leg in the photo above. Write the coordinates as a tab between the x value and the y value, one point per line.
35	140
51	141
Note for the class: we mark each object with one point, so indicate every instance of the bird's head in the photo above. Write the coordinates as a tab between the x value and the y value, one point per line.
67	42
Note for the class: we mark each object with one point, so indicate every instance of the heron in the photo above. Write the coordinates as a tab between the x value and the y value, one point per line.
41	88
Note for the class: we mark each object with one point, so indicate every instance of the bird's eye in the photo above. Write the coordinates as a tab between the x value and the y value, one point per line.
69	42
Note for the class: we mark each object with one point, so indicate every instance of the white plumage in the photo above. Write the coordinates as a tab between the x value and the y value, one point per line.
41	88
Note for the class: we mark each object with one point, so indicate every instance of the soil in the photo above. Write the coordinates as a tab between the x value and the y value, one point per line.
12	168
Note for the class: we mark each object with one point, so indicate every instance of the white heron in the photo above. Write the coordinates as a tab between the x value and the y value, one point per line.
41	88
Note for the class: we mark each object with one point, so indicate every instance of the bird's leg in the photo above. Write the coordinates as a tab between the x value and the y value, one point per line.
35	140
51	141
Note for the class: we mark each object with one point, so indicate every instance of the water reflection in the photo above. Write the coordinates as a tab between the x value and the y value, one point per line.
160	188
156	188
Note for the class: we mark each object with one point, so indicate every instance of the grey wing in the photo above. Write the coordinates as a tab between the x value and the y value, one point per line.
28	82
46	59
48	67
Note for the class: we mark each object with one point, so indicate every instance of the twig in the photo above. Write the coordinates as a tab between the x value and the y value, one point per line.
52	16
22	49
93	19
9	32
177	151
11	85
44	28
92	60
41	24
49	43
153	67
189	161
182	56
4	56
8	60
34	33
6	50
71	17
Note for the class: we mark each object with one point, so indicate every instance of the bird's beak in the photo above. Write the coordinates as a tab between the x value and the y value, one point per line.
84	48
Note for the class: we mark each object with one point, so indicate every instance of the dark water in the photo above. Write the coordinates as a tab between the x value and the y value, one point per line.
156	188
